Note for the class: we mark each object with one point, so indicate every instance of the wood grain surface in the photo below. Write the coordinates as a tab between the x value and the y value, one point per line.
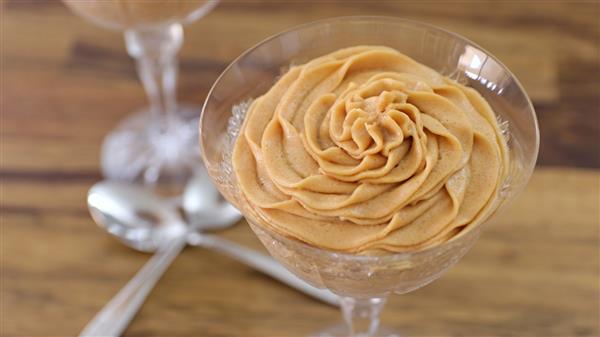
65	83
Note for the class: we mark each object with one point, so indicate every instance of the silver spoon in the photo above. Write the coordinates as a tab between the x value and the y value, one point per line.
203	205
145	222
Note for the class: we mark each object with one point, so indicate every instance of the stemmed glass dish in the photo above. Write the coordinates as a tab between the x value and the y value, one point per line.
364	281
157	144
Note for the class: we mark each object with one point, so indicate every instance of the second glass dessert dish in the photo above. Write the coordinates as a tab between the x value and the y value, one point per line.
156	145
366	153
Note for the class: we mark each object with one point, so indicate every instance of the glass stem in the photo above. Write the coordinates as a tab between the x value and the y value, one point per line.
155	51
362	315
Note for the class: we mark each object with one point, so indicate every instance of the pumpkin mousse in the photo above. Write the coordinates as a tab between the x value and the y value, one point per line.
365	149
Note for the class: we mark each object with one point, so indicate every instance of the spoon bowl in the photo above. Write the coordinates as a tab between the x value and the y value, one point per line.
144	221
204	207
137	217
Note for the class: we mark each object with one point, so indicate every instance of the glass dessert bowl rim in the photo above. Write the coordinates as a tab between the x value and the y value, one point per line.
456	240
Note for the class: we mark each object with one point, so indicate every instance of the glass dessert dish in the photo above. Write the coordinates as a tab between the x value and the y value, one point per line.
157	144
364	281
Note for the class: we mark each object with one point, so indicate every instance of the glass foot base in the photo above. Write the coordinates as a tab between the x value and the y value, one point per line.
341	330
157	153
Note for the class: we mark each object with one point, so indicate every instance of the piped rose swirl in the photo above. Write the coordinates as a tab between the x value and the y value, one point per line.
366	149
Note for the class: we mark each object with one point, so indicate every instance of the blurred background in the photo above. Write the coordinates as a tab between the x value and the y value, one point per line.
66	83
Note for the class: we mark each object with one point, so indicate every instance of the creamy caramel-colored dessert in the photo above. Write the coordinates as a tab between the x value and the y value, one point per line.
366	149
121	14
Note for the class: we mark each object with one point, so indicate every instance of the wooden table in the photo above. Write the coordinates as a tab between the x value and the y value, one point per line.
66	83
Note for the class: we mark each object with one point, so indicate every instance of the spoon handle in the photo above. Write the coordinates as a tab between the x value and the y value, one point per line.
263	263
112	320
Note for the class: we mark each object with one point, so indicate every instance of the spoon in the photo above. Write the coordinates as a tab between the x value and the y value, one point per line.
203	205
145	222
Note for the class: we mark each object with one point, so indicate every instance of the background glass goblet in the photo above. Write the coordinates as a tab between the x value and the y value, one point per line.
364	282
158	144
